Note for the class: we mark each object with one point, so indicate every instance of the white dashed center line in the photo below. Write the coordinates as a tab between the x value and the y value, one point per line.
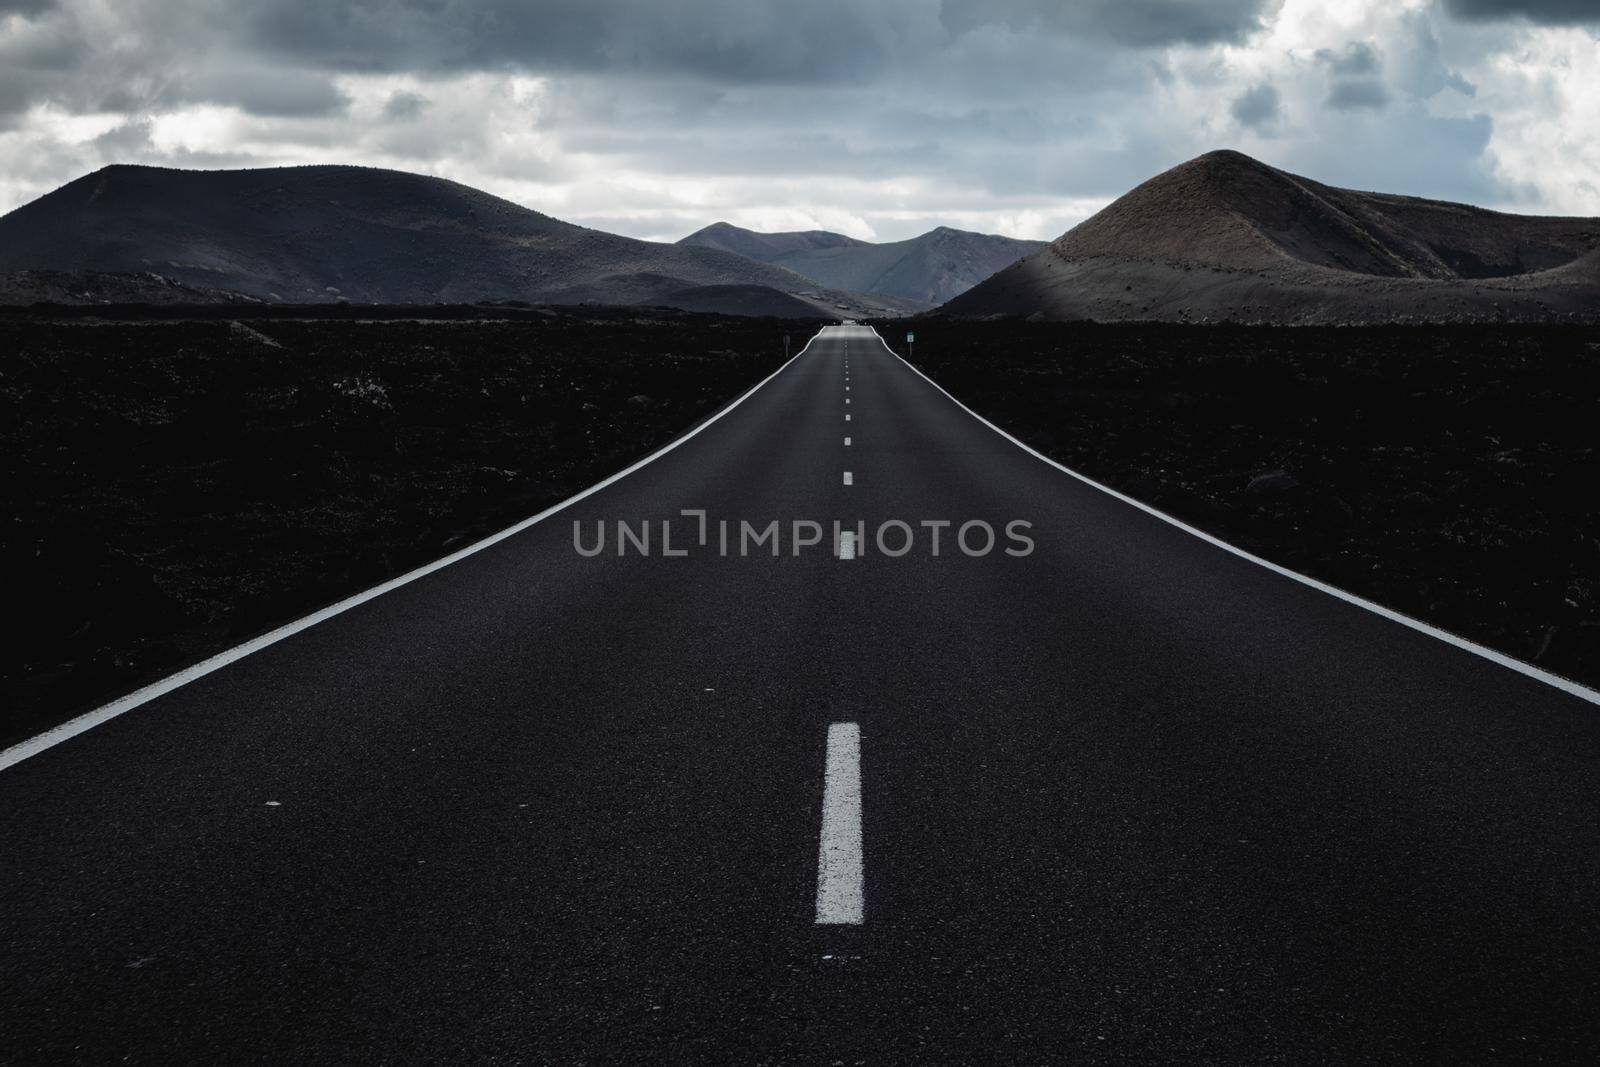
847	545
847	442
849	479
839	861
847	416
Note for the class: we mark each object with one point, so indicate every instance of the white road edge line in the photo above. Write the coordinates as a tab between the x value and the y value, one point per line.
20	751
1566	685
839	861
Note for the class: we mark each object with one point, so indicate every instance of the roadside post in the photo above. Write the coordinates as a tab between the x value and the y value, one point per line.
911	340
785	346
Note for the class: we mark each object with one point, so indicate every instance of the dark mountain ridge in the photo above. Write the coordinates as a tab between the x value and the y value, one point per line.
359	233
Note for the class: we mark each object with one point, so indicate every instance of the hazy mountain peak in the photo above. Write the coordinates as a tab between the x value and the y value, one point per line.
931	268
765	247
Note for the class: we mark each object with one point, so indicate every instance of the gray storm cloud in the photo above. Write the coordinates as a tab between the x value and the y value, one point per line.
1550	12
883	118
1356	77
1139	23
1258	106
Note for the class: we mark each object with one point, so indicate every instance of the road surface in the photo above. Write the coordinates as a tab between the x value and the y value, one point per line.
1125	798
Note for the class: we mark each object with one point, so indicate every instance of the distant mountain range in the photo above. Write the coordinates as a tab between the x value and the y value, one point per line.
940	264
1221	237
323	233
1225	236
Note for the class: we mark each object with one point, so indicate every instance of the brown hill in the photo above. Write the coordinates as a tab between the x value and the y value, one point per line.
1224	236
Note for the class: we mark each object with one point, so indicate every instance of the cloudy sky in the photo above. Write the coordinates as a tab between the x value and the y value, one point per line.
877	118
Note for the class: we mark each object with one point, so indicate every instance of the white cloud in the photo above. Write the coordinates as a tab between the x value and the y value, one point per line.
1545	97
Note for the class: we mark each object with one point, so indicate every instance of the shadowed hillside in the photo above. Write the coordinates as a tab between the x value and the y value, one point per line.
23	287
1226	237
367	235
932	268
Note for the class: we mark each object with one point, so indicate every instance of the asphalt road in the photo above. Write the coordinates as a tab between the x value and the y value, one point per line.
1127	798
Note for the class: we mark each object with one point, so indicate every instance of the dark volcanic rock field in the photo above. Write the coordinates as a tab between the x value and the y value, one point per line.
1446	472
174	485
